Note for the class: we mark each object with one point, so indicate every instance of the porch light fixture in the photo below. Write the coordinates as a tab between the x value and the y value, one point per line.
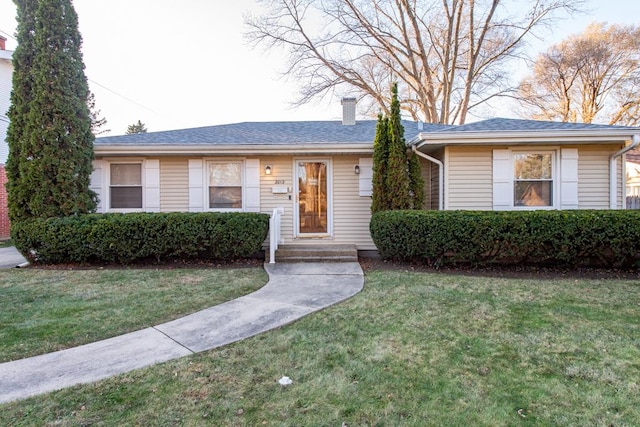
267	170
356	169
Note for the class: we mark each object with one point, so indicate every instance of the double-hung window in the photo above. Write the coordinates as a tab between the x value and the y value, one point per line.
533	179
225	185
125	186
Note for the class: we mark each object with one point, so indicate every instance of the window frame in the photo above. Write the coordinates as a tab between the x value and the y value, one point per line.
207	185
555	178
109	163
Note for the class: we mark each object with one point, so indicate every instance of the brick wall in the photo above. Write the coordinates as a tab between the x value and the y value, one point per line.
4	212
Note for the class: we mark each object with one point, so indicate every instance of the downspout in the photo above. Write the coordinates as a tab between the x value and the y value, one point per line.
440	175
613	184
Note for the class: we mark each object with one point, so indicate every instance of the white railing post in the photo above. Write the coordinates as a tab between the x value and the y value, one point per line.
274	234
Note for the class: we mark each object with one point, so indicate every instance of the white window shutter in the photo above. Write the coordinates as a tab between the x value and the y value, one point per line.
196	185
96	183
252	185
152	185
502	180
569	178
365	178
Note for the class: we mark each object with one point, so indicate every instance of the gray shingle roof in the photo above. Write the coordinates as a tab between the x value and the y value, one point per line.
328	132
264	133
507	125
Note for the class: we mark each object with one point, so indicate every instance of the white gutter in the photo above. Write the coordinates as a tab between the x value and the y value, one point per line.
440	175
613	184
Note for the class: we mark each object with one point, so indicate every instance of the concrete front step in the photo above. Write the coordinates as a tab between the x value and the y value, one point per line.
315	253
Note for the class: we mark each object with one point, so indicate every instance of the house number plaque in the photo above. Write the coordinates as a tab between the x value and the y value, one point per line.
279	181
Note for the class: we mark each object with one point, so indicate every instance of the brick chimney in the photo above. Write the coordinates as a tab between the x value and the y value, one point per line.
349	111
3	42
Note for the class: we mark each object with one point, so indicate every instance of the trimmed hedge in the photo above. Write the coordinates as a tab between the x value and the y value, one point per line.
134	237
595	238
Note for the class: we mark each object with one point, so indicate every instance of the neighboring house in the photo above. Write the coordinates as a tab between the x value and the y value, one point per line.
6	71
633	173
318	174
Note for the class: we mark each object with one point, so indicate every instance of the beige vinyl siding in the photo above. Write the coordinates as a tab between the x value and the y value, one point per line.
174	185
282	169
427	176
593	177
468	179
431	174
351	212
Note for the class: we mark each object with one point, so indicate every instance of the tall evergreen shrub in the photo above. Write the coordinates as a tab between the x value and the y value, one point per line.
397	178
21	98
379	196
50	139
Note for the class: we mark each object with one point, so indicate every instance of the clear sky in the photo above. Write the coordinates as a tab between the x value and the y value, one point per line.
178	64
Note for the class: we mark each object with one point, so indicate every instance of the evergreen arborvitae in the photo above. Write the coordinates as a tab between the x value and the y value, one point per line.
397	179
416	182
379	195
21	97
54	140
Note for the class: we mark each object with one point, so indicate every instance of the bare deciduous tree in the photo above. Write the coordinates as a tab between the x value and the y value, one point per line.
449	56
590	76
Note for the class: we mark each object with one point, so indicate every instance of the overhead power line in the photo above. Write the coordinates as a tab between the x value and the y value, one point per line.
98	84
122	96
8	35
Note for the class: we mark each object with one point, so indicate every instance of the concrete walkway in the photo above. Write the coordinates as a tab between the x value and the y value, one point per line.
293	291
11	258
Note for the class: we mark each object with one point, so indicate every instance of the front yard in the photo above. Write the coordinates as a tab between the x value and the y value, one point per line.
413	349
48	310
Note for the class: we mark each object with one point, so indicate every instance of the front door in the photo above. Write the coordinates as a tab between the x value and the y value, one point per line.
313	202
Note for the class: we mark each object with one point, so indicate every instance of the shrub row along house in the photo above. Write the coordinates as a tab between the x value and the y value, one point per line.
318	175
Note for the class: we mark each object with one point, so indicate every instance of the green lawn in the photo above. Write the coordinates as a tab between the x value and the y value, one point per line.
412	349
47	310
